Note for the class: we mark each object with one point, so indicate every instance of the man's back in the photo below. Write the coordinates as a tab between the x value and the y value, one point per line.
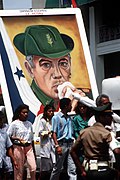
96	139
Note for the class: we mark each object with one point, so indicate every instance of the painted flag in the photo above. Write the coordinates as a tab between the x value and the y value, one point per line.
15	88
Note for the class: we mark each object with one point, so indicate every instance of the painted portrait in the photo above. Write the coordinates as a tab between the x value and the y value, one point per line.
53	39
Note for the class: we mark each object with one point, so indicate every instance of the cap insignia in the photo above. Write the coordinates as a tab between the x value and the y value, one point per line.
49	39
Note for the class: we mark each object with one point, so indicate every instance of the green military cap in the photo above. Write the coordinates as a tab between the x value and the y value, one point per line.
43	40
103	109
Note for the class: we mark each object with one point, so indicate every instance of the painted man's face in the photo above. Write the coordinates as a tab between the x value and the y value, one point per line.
49	73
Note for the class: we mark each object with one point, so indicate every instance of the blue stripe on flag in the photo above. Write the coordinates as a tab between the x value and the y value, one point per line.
12	88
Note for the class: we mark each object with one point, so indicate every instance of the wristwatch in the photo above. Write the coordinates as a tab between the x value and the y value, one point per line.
57	145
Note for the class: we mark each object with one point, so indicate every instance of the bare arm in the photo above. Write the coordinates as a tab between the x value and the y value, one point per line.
58	148
10	154
117	151
74	154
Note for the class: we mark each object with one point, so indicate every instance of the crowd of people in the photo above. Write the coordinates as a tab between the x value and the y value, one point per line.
84	145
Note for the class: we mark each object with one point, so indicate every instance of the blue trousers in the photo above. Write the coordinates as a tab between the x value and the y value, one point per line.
60	160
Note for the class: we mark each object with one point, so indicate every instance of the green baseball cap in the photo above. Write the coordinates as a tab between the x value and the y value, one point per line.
43	40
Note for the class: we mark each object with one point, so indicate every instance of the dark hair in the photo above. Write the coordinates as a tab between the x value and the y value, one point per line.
99	99
64	102
18	111
77	110
48	106
103	120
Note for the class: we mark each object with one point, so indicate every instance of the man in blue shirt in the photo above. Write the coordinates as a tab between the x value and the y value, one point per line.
62	135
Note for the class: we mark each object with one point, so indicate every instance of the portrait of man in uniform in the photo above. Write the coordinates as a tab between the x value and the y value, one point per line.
40	51
48	59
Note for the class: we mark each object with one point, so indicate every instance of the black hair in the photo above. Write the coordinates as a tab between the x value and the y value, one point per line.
18	111
100	117
99	99
64	102
77	109
48	106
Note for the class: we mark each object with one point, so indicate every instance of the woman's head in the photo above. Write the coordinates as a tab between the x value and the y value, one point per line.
21	112
48	112
82	109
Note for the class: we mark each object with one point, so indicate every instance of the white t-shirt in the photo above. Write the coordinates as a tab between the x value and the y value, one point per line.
22	130
114	143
